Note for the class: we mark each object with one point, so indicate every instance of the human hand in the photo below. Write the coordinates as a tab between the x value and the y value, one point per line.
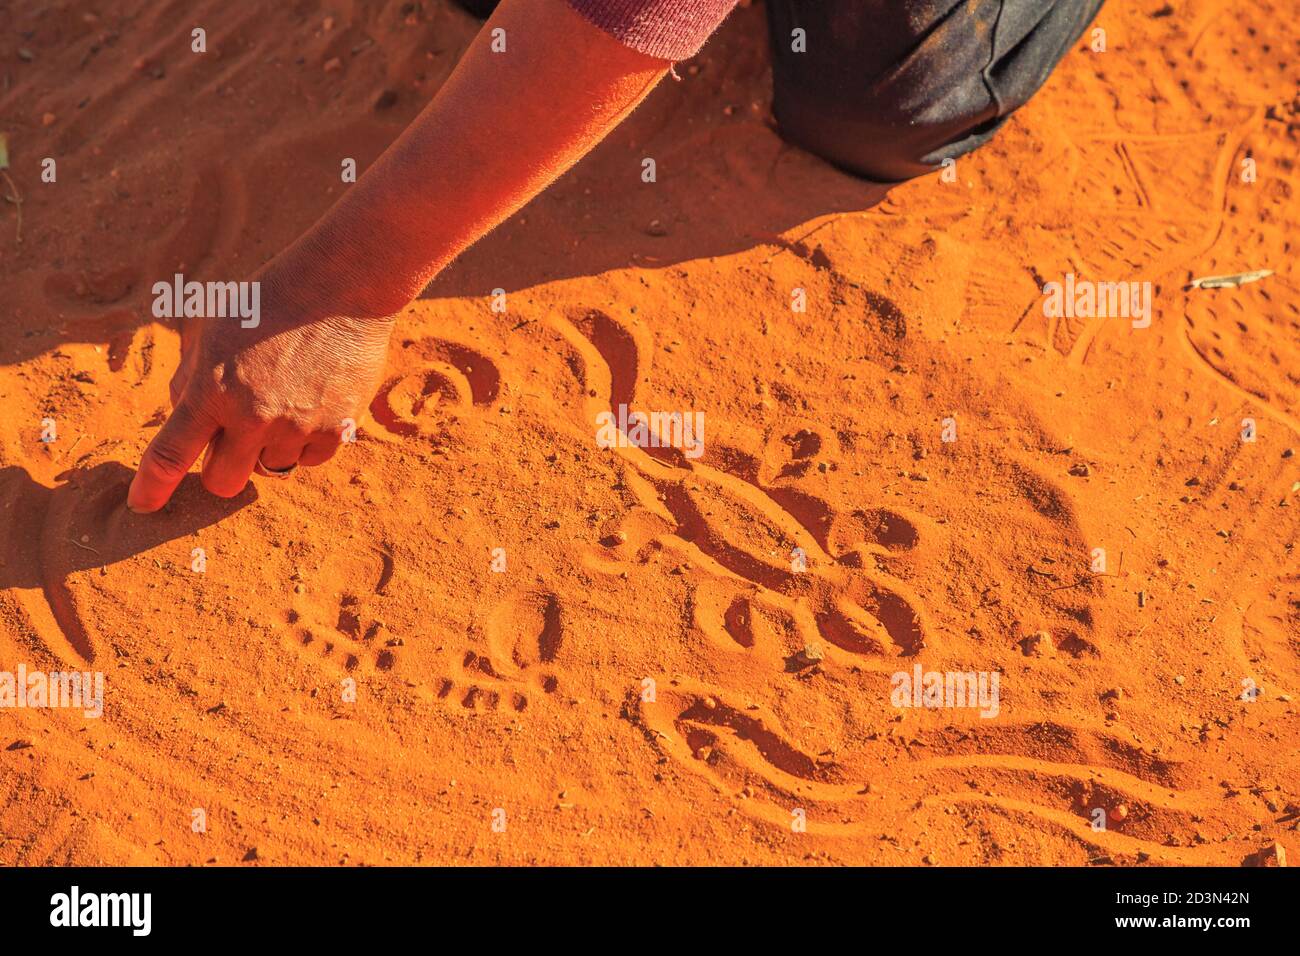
275	395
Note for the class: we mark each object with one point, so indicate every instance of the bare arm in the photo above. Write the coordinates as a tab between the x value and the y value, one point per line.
501	129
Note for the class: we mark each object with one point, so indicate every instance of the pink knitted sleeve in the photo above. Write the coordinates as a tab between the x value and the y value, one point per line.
668	29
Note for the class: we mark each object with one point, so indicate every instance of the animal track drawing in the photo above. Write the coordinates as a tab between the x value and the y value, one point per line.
433	375
737	745
746	753
731	524
524	636
744	526
345	630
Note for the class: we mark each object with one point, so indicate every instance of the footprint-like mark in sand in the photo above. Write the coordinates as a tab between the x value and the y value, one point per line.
214	212
747	755
1244	339
743	749
109	305
882	529
733	743
343	628
434	377
1061	774
524	637
1166	219
733	519
755	536
1142	207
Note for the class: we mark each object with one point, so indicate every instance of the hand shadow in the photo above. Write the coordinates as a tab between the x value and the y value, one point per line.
83	523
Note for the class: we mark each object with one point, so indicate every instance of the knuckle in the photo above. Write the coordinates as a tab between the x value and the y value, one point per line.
260	416
299	424
251	411
167	460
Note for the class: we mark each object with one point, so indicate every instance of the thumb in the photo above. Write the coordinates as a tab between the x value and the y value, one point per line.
167	459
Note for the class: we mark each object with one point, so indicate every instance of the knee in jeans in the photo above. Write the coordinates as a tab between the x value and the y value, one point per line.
882	136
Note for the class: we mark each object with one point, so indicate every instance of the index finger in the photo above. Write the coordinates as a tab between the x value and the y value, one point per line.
168	458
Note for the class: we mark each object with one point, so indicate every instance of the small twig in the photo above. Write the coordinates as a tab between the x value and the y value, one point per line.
1229	281
73	448
17	201
1066	587
792	245
83	547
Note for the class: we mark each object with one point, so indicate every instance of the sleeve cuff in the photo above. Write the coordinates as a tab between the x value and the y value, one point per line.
667	29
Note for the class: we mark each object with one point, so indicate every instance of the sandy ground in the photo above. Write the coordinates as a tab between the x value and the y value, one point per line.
519	696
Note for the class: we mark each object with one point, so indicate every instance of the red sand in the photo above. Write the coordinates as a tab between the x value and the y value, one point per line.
522	691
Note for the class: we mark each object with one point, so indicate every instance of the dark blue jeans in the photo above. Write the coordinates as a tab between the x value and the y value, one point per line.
888	89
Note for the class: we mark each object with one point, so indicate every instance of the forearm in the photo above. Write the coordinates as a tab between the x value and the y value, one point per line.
502	128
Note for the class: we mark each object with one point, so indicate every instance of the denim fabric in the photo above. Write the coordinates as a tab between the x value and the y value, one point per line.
890	88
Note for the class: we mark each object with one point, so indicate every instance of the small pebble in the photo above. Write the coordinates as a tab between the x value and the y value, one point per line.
1274	855
812	653
1037	644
